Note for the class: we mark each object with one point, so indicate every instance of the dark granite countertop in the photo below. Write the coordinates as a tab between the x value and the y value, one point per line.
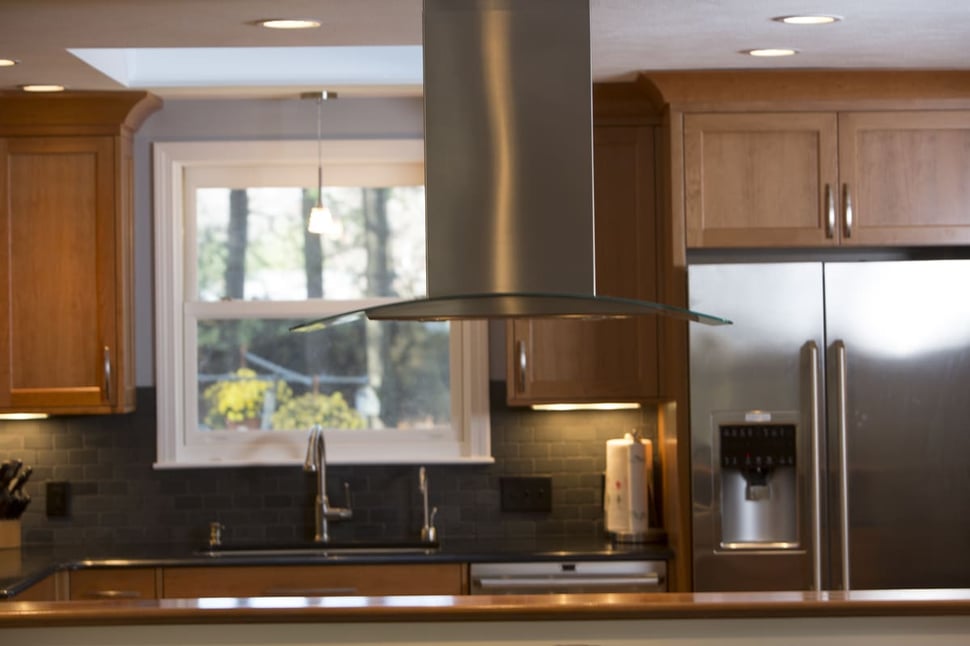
21	568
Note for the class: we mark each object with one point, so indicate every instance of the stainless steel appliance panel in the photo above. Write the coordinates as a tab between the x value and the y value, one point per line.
883	472
552	577
902	330
764	364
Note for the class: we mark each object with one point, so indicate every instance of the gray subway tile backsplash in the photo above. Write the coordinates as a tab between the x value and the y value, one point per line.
118	497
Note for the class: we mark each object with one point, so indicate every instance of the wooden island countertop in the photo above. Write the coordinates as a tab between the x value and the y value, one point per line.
858	618
548	607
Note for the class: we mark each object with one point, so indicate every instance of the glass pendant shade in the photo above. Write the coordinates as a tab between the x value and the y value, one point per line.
321	220
323	223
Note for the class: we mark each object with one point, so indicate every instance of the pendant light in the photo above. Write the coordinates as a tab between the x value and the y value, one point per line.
321	220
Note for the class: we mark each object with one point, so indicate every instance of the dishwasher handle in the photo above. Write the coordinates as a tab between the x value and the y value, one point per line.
568	582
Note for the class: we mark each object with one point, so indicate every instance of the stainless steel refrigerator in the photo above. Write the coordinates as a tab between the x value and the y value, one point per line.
830	425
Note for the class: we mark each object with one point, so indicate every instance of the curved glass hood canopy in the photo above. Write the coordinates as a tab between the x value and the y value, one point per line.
509	168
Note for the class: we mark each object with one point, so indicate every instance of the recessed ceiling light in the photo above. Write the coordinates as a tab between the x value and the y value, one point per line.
42	88
808	20
289	23
769	52
7	62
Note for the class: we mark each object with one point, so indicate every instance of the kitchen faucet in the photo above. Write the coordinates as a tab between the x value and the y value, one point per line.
316	462
429	533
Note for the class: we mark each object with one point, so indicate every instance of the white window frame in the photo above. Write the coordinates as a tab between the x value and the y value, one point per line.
179	442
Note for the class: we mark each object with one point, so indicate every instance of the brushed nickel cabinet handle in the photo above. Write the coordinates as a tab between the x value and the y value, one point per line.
829	211
309	592
847	210
113	594
523	364
107	373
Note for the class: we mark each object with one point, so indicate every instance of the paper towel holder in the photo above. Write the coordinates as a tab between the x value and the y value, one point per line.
628	500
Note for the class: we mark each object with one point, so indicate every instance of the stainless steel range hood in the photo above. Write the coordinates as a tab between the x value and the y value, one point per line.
509	167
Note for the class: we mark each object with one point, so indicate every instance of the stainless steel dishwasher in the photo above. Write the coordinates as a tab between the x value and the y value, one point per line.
549	577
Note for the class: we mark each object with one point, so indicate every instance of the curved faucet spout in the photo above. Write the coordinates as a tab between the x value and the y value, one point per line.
309	462
316	451
316	462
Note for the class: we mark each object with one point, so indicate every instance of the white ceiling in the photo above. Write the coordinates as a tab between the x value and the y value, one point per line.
627	35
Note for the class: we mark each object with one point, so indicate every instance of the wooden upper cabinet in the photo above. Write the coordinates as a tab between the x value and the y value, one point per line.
905	177
817	158
763	179
66	299
592	361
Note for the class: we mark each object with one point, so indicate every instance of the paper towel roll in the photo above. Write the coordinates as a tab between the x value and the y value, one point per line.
626	499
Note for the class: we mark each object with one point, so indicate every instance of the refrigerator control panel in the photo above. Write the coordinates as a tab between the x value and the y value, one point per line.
753	446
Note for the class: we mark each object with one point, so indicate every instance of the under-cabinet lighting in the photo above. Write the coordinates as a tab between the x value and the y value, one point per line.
807	20
7	62
289	23
42	87
588	406
10	417
770	52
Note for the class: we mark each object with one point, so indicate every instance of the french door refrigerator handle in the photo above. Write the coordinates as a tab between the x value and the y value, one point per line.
842	426
816	468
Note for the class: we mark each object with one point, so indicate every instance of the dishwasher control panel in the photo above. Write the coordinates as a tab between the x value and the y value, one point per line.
552	577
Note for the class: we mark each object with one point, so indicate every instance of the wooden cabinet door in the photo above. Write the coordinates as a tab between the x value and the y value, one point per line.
313	581
59	336
586	361
905	177
761	179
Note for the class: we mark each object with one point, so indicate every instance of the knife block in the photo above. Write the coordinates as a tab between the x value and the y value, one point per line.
9	533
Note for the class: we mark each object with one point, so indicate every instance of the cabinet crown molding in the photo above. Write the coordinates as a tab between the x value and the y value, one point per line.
75	112
626	103
727	90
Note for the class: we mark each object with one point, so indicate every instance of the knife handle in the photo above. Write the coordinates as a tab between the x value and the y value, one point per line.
17	483
8	471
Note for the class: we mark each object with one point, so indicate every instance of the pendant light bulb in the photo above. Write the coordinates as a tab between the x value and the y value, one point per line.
321	220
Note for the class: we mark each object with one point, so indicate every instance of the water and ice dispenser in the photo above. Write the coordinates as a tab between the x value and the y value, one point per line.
758	478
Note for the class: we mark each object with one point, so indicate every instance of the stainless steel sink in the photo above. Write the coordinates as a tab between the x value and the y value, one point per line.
319	549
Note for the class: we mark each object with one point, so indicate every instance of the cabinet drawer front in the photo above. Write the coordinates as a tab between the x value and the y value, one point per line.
113	583
313	581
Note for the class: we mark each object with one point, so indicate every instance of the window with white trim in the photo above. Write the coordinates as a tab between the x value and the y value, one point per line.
235	268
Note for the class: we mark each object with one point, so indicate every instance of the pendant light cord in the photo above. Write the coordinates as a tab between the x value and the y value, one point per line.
320	152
